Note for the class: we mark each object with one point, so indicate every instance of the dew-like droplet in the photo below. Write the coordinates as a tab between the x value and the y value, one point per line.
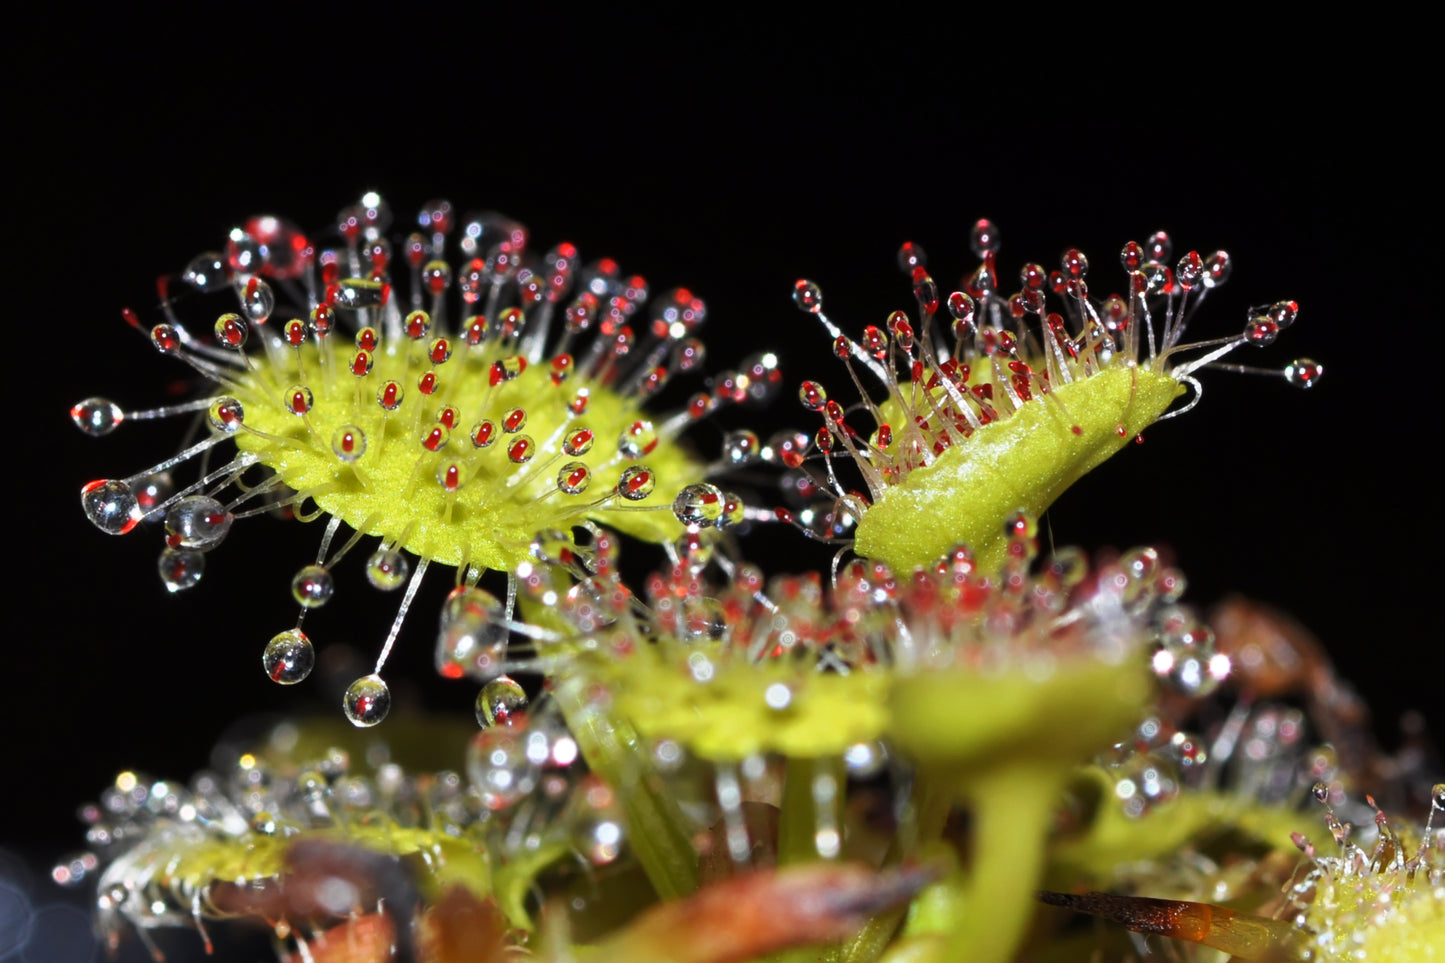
243	253
356	293
484	433
762	376
637	439
573	478
521	449
367	701
449	476
321	321
910	256
1131	255
499	700
1303	373
299	399
636	482
740	447
1145	780
436	216
151	490
1284	313
689	355
206	272
984	238
110	505
1020	524
699	504
595	823
734	511
436	276
1217	268
702	619
812	395
166	338
1195	671
552	546
1261	331
348	442
591	604
198	522
865	760
289	657
1189	272
417	324
257	300
472	640
1159	247
1154	277
577	442
807	296
387	568
226	415
180	569
231	330
313	587
498	767
96	416
1189	750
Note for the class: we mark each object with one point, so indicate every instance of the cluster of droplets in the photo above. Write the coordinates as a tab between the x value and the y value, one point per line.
1388	898
869	618
1230	720
162	845
1262	754
947	377
548	359
757	643
159	849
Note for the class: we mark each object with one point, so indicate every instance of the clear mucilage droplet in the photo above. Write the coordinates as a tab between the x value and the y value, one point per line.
595	823
289	657
1303	372
313	587
807	296
741	447
1188	661
699	504
499	701
180	569
367	701
110	505
96	416
386	569
637	440
206	272
472	640
257	300
198	522
498	766
636	482
348	443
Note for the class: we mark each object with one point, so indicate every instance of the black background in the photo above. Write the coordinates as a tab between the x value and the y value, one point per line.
733	172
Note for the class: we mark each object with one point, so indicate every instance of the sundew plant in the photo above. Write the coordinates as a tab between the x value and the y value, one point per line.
951	738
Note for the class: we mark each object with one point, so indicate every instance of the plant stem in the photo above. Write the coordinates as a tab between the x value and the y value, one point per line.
658	831
812	788
981	910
